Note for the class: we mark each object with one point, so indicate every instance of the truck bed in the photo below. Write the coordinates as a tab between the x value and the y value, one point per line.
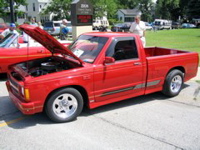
158	51
161	60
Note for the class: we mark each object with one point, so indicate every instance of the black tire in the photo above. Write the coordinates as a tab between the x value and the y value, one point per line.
173	83
64	105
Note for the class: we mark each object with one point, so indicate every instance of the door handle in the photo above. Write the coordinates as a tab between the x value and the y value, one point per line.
137	63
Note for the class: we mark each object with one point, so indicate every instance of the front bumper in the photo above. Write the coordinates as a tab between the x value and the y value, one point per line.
27	108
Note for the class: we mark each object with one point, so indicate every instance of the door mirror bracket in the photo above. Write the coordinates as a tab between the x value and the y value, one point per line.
109	60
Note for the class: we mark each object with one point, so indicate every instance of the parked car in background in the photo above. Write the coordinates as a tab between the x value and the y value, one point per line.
176	25
161	24
148	26
53	27
99	24
3	26
197	22
188	25
121	27
10	54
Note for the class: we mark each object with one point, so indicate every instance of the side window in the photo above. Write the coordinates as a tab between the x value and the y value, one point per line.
122	49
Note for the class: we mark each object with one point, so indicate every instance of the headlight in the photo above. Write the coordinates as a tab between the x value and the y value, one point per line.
25	93
22	91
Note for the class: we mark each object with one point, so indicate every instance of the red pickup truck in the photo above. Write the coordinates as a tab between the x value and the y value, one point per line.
96	69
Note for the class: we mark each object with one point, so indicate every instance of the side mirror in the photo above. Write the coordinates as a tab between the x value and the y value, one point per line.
109	60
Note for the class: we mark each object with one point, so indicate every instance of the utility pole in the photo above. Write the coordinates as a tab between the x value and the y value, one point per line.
12	11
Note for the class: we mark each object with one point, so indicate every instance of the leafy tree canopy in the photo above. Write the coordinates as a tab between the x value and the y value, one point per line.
104	7
165	8
61	9
5	5
127	4
194	9
146	7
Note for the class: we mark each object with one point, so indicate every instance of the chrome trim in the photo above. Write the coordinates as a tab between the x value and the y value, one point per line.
142	85
117	91
153	83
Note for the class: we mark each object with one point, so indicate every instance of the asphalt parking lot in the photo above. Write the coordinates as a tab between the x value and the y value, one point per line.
146	122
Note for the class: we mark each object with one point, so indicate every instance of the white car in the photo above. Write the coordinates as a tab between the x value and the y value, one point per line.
53	27
148	26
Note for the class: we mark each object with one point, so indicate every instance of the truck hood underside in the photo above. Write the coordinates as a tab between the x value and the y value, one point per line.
47	40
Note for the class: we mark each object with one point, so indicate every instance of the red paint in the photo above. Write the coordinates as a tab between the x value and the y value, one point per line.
14	55
103	83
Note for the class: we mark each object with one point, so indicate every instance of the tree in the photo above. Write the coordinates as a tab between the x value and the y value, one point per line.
146	8
5	6
183	5
104	7
61	9
167	9
194	9
128	4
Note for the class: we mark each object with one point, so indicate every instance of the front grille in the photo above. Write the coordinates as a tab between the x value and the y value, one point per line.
12	82
16	76
14	86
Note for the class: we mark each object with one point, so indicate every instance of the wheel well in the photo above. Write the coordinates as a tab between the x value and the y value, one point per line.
182	69
82	91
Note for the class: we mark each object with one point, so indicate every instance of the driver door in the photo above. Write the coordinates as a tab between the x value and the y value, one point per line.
123	78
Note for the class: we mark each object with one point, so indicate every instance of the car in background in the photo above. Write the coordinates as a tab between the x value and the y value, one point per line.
197	22
99	24
121	27
188	25
148	26
162	24
176	25
53	27
3	26
10	54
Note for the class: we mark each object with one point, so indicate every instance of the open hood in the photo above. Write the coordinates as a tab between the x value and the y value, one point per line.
47	40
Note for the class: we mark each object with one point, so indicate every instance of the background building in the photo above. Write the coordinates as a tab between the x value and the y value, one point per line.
34	8
127	15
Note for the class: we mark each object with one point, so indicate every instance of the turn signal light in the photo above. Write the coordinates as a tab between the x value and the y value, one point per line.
27	94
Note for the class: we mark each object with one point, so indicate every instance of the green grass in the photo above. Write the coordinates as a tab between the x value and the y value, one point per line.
182	39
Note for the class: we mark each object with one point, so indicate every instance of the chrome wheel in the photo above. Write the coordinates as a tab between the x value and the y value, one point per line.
65	105
176	83
173	83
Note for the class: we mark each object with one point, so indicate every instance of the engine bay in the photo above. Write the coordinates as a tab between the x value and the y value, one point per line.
47	65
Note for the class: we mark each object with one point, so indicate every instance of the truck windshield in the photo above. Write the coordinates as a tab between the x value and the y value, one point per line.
88	47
